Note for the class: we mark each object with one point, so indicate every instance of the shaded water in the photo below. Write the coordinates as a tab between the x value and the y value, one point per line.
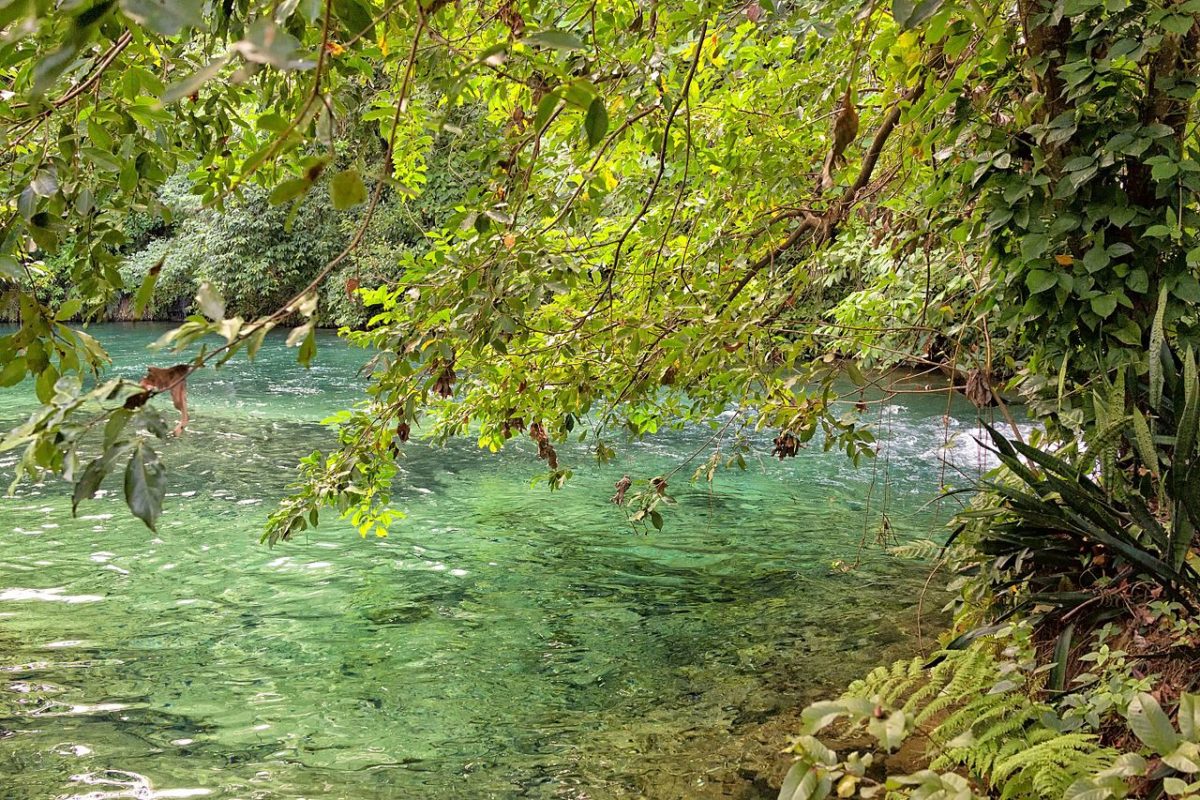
502	642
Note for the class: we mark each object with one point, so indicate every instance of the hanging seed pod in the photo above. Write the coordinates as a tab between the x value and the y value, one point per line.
979	390
786	446
622	486
444	385
659	485
545	451
511	425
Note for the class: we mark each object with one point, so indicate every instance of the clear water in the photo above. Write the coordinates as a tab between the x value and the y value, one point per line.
502	642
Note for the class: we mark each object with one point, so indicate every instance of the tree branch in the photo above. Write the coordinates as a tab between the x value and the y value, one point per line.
824	227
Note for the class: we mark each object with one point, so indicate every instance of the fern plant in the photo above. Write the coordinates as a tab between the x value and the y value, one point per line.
981	734
984	735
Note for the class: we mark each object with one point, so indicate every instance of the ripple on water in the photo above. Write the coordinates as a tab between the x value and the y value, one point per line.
54	595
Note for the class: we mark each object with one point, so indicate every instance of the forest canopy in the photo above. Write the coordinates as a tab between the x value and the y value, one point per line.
594	220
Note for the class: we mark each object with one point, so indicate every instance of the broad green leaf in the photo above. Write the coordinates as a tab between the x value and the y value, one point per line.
545	110
346	189
1103	305
45	183
1185	757
51	66
13	372
1154	356
1040	280
1189	716
116	425
909	14
289	190
595	123
308	348
355	17
89	482
268	43
146	290
145	484
167	17
1150	723
820	715
68	309
1174	786
557	40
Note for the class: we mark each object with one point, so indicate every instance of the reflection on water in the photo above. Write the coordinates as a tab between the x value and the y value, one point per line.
503	642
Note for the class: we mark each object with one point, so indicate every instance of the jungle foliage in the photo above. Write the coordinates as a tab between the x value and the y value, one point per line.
599	220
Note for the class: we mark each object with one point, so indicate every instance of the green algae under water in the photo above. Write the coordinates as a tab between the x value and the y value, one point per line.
502	642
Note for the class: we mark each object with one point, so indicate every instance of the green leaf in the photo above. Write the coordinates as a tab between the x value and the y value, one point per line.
45	183
1040	280
47	70
1103	305
89	481
268	43
1185	757
821	715
1189	716
146	290
1174	786
289	190
355	17
1155	356
909	14
546	107
1189	417
254	340
308	348
1062	652
10	268
595	123
1033	245
167	17
556	40
145	485
1144	442
85	201
13	372
27	203
115	425
347	190
68	309
1150	723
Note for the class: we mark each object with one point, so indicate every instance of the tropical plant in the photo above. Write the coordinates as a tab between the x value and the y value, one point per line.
979	730
1072	532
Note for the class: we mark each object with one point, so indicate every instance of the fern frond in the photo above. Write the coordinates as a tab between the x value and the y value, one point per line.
997	739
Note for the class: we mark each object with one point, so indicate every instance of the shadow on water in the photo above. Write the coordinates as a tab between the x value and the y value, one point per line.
502	642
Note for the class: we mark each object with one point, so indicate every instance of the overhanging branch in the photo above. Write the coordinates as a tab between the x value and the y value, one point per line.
821	228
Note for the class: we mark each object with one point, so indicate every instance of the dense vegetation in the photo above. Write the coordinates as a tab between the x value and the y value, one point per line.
596	221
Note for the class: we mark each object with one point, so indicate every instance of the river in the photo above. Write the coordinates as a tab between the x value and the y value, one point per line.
502	642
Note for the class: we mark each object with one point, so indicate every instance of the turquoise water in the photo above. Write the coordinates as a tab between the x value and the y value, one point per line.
502	642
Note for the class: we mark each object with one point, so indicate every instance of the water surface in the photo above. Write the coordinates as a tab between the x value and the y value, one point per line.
503	642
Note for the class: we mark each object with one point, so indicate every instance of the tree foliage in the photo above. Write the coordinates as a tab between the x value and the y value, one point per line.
638	233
